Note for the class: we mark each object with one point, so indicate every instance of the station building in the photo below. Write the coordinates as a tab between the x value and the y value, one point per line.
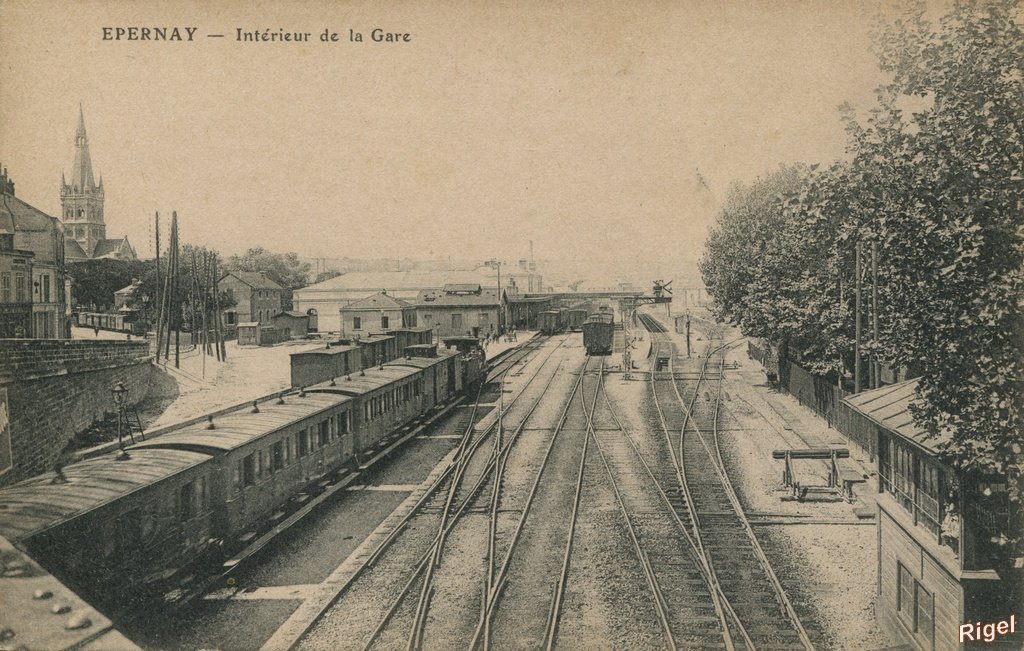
460	309
376	314
943	557
323	301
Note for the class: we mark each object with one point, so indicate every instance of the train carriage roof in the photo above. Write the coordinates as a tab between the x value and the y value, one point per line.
37	504
357	385
443	355
235	429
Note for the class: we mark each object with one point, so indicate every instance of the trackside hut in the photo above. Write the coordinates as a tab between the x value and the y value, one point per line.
462	309
941	557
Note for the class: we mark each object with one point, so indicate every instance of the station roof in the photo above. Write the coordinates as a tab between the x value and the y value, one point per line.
433	298
889	407
241	426
395	280
378	301
37	504
367	381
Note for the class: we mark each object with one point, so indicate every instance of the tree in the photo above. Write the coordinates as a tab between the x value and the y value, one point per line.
946	190
95	281
284	269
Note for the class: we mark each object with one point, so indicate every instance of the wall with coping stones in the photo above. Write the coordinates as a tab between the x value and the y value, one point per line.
56	388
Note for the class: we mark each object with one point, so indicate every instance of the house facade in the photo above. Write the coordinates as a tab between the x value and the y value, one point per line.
376	314
257	299
39	279
460	309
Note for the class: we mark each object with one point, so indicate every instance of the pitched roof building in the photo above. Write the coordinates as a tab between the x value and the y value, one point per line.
256	298
376	314
41	280
81	201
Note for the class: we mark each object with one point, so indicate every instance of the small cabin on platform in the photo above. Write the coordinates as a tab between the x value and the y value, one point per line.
943	557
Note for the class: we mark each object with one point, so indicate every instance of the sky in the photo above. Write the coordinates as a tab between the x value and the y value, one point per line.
598	130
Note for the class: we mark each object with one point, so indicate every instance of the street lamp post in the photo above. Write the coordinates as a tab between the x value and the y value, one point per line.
120	394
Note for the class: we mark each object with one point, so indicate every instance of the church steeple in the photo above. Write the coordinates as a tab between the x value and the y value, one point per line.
81	173
81	199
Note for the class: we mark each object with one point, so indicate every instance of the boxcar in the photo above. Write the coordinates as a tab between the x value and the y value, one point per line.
598	331
549	322
265	455
117	525
576	319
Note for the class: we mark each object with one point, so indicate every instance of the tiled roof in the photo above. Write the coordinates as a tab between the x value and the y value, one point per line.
297	315
253	279
108	246
889	407
73	250
378	301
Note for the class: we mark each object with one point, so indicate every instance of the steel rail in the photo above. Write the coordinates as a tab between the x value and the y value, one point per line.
496	588
554	613
719	469
458	463
652	582
734	500
723	608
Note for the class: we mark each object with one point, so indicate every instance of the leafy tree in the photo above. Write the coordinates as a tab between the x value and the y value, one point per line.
946	188
939	194
95	281
285	269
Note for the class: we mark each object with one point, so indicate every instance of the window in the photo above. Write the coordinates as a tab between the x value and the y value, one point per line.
277	456
303	443
19	288
231	318
357	323
287	449
904	590
457	322
5	287
384	322
324	433
343	422
428	318
924	619
46	288
249	470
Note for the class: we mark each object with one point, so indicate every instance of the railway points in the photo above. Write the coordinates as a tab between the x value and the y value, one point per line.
557	504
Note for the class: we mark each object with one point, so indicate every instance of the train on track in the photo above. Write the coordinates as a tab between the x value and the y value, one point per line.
599	333
133	524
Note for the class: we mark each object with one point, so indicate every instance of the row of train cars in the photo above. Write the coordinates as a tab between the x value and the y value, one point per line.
124	527
598	328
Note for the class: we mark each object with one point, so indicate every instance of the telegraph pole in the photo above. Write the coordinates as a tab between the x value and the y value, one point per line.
876	366
856	321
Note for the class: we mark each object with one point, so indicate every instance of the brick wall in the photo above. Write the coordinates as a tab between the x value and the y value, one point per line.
56	388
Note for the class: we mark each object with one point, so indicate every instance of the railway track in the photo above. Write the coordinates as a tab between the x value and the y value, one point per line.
474	465
434	499
764	617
